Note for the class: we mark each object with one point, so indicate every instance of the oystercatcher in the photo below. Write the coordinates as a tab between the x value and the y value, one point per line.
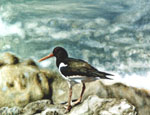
75	71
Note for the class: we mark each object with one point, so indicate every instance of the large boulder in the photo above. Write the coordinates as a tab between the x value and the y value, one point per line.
20	82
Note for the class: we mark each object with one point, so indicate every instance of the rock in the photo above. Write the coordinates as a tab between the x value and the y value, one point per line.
8	58
21	83
10	111
138	97
94	105
29	62
43	107
59	87
36	107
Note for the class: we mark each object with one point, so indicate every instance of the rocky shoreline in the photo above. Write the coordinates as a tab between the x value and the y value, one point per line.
26	89
93	105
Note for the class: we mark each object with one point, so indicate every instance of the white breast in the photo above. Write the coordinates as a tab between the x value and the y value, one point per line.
60	66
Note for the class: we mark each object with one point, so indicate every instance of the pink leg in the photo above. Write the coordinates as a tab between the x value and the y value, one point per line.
69	100
80	98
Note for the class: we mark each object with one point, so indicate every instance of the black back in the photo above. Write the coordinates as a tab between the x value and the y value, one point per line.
76	66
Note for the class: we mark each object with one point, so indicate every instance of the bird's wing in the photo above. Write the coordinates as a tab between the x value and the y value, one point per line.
80	67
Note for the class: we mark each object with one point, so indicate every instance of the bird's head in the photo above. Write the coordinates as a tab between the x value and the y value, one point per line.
58	52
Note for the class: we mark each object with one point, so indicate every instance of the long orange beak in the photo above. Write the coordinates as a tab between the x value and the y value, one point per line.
46	57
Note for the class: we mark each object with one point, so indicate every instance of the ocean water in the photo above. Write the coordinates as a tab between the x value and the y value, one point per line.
112	35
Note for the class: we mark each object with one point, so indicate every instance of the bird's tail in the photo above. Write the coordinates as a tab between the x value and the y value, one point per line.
103	75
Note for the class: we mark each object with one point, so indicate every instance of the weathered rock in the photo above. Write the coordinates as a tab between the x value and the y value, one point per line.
93	105
21	83
59	87
140	98
8	58
29	62
43	107
10	111
36	107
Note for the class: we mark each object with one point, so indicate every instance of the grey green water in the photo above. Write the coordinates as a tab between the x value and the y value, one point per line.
112	35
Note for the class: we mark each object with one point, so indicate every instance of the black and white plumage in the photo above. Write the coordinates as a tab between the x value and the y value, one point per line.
79	71
75	71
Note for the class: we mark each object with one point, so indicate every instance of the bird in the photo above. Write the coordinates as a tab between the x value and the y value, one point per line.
75	71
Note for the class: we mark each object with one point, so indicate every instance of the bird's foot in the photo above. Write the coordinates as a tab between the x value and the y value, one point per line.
77	102
68	108
66	104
